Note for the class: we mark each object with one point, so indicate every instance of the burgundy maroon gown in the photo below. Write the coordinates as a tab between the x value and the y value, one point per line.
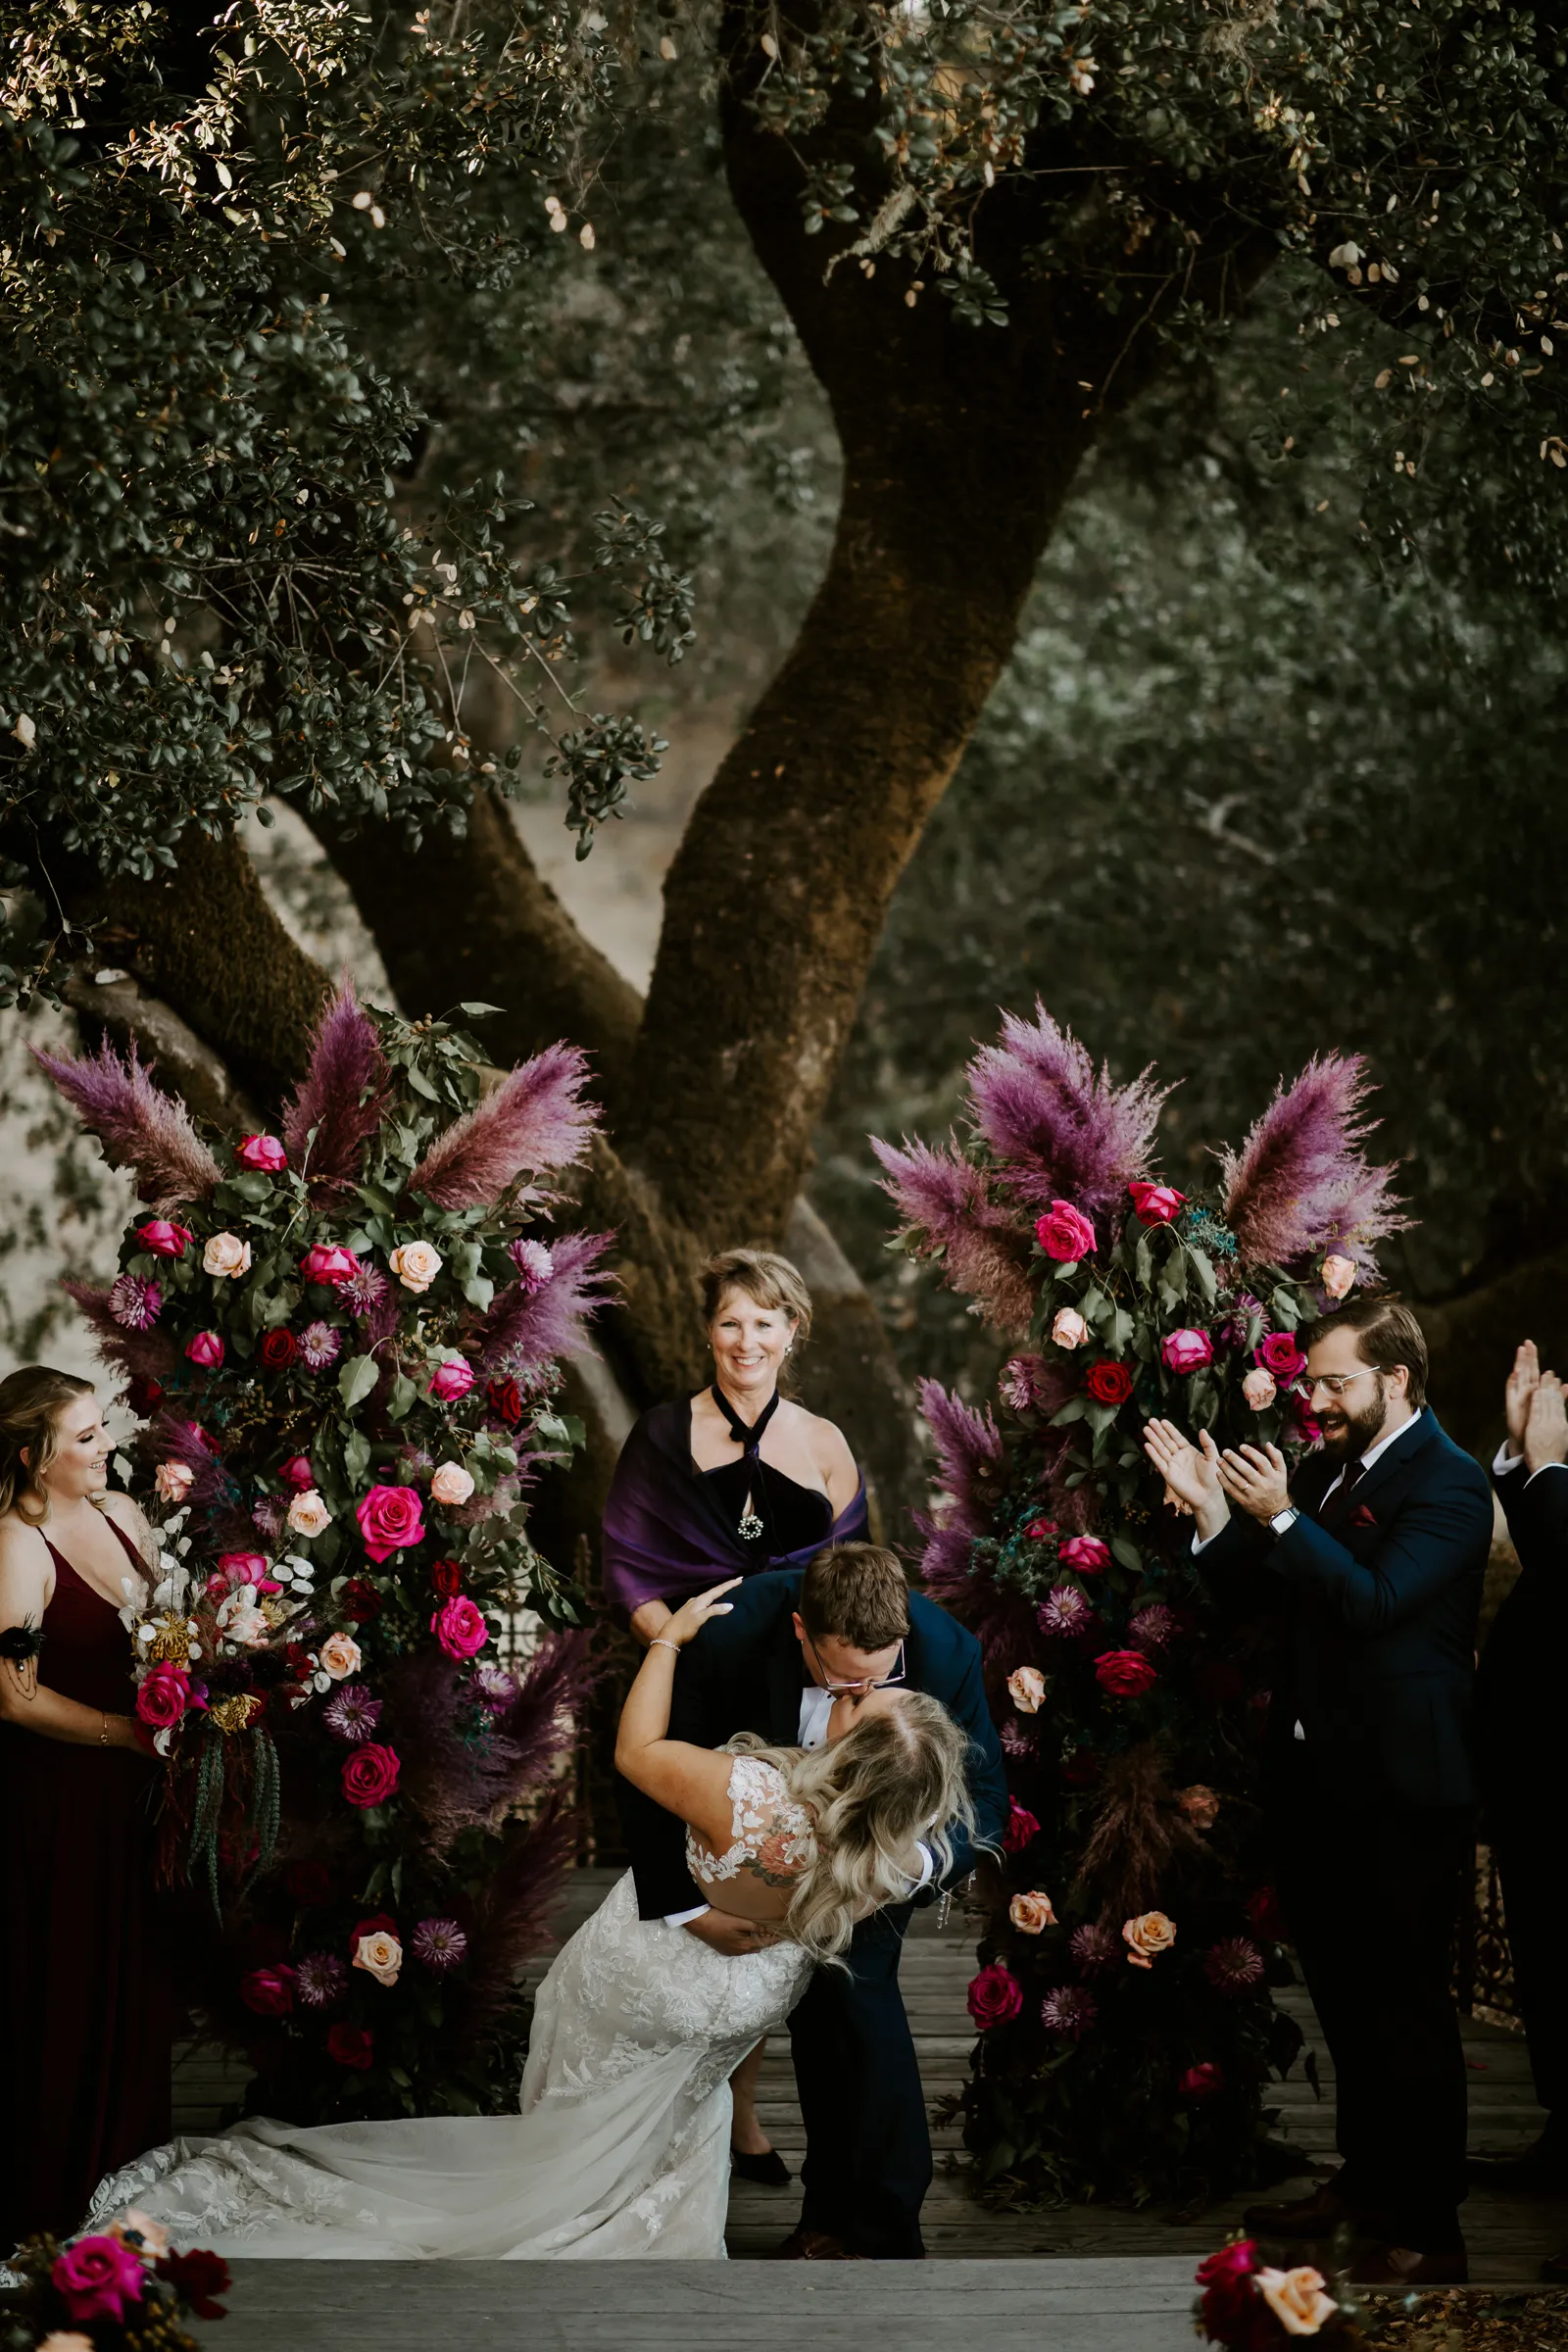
87	2014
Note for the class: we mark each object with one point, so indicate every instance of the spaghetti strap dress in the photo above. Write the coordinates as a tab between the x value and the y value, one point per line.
86	2010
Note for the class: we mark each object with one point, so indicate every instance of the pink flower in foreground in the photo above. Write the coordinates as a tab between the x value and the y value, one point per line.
162	1239
1278	1353
163	1697
459	1628
206	1350
135	1302
1186	1350
450	1380
390	1517
298	1473
1068	1328
1085	1555
326	1263
264	1153
96	2278
369	1775
1156	1204
320	1345
994	1997
1064	1613
452	1485
1065	1233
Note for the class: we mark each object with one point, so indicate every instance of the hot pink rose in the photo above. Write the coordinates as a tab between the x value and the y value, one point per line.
450	1380
246	1568
1065	1233
390	1517
995	1995
1022	1828
269	1992
164	1696
1124	1673
326	1264
1202	2083
1188	1351
206	1348
1085	1555
296	1473
162	1239
97	2277
370	1774
459	1627
264	1153
1156	1204
1278	1354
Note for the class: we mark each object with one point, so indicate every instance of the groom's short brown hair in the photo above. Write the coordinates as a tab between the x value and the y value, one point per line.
856	1592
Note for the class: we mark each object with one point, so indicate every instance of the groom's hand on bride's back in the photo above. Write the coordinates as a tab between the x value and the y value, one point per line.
721	1932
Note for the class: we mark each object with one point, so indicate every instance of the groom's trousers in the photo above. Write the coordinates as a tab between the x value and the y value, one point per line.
869	2164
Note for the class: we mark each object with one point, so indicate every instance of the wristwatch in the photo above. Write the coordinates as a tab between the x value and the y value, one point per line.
1283	1521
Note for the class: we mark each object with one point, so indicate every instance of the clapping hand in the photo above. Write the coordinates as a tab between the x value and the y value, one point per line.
1523	1382
1191	1473
1255	1477
1546	1432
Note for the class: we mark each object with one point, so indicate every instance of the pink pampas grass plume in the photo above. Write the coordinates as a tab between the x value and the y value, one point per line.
526	1326
1302	1183
138	1125
532	1120
946	1205
1059	1129
343	1096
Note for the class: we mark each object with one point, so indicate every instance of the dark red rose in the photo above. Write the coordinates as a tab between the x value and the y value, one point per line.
370	1774
197	2279
447	1578
1124	1673
1264	1913
310	1884
383	1924
1201	2081
1022	1828
361	1602
504	1400
1109	1383
277	1350
351	2045
143	1395
269	1992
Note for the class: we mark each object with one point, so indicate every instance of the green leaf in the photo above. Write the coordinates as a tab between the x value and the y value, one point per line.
400	1400
1286	1306
1143	1261
1073	1411
356	1455
1124	1549
421	1084
356	1378
477	1012
1204	1271
251	1185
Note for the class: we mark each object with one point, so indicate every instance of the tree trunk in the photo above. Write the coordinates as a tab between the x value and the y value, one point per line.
1471	1340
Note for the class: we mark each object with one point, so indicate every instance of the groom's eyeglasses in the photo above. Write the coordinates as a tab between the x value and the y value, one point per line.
881	1682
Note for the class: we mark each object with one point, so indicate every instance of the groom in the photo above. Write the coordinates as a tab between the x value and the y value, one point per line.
794	1642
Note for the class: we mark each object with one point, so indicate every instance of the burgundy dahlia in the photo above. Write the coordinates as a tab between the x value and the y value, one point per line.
320	1345
1064	1613
135	1302
1154	1625
320	1980
1095	1949
1069	2011
352	1714
364	1290
534	1262
1234	1965
493	1687
439	1943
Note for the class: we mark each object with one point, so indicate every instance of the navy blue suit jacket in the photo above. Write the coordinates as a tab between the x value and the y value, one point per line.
1380	1601
743	1672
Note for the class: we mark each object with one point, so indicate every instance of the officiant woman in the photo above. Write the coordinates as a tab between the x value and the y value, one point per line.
730	1482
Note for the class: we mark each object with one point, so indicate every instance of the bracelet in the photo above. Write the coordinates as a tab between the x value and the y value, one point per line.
103	1729
657	1643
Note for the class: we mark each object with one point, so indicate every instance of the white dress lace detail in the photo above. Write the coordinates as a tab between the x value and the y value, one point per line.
767	1827
622	2148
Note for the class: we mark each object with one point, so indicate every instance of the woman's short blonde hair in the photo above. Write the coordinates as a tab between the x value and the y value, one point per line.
768	1280
897	1780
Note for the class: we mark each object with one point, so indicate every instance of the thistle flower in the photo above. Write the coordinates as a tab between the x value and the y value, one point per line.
1069	2011
439	1943
1234	1965
320	1345
534	1262
352	1714
135	1302
1152	1626
1095	1949
320	1980
1065	1614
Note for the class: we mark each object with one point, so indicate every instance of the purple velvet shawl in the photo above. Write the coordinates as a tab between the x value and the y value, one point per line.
665	1534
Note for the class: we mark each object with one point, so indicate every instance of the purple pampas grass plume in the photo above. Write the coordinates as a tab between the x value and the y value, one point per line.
946	1205
512	1915
535	1325
971	1460
1302	1183
532	1120
1057	1127
138	1125
343	1096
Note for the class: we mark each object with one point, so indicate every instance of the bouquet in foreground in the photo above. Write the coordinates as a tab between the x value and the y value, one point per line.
1127	2034
120	2289
1246	2305
343	1342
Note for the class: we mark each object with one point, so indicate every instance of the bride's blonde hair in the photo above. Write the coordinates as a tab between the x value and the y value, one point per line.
895	1779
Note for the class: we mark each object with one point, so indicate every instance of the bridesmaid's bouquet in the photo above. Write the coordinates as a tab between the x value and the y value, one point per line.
343	1342
1126	2031
111	2290
1249	2307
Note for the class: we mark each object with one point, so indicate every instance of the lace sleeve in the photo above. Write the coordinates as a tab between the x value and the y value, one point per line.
770	1835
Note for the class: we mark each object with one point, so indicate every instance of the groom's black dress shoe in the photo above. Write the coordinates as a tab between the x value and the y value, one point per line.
813	2245
768	2171
1314	2217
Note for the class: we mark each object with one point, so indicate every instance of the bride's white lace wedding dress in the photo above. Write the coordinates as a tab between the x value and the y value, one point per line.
622	2144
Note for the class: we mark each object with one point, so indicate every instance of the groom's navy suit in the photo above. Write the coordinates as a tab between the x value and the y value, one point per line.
1372	1789
869	2149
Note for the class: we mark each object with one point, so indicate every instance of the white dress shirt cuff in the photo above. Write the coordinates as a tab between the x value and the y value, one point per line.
683	1919
1506	1461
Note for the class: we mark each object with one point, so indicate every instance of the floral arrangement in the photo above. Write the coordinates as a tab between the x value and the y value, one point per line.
112	2291
1127	2034
1246	2305
342	1341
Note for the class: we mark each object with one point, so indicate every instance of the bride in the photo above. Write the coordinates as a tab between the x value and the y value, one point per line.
622	2147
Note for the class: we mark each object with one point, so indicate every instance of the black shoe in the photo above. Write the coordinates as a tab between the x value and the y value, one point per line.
768	2171
1318	2216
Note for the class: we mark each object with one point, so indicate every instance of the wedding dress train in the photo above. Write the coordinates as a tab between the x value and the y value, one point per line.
622	2148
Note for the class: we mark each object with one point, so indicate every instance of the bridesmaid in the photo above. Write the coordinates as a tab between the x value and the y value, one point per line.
730	1482
87	2017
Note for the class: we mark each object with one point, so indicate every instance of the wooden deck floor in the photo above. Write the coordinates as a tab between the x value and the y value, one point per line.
1508	2236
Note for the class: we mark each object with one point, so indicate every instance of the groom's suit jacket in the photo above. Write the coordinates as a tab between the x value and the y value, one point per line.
744	1673
1380	1589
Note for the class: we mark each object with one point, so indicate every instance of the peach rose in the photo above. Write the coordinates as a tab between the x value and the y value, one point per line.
416	1264
227	1255
173	1481
1297	2299
339	1654
1146	1937
380	1956
1030	1913
153	2237
1337	1275
1199	1804
1027	1686
1069	1330
308	1514
451	1484
1259	1390
66	2339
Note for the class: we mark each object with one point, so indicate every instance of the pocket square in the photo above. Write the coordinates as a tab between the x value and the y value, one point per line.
1362	1517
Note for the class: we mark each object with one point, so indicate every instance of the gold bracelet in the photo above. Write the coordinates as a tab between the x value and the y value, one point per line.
103	1729
657	1643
